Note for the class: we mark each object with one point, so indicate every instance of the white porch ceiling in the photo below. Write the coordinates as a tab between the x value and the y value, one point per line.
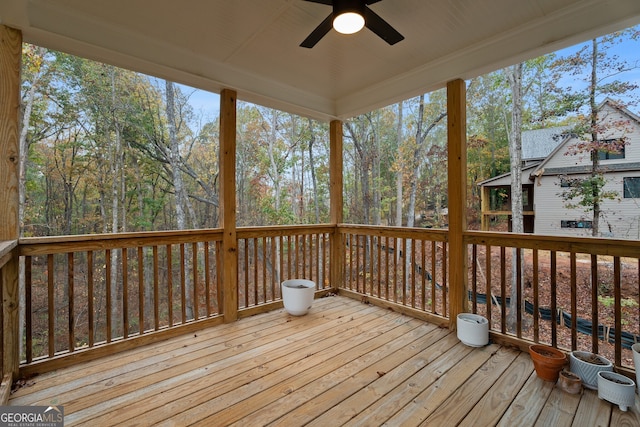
252	46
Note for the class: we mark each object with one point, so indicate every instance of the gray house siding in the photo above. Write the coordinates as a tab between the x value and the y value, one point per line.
620	217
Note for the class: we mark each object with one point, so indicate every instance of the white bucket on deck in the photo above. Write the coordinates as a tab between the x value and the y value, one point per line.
297	296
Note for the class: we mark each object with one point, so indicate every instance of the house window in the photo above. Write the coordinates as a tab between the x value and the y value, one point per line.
575	224
616	152
631	187
569	182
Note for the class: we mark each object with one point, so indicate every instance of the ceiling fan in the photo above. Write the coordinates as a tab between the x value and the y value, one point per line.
348	17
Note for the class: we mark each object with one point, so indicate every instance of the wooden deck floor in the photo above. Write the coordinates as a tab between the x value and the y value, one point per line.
345	363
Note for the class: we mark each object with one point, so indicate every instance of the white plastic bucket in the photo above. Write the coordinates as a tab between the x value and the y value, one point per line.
297	296
472	329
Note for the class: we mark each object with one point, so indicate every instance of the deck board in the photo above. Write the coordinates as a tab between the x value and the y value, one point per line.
345	363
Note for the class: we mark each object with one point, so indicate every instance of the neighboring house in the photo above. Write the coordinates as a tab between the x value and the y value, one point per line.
548	168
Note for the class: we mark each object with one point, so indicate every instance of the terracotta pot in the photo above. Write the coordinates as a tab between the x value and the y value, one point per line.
547	361
569	382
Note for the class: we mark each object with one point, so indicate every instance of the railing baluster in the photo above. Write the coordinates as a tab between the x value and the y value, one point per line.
207	279
389	255
554	308
255	271
474	279
594	303
536	302
617	292
90	297
28	286
274	264
519	292
264	269
444	279
170	284
314	241
412	270
156	291
405	261
434	258
183	284
289	256
281	256
51	305
71	308
107	283
219	293
488	279
423	286
141	284
503	290
194	270
574	301
396	255
246	271
379	267
358	264
125	292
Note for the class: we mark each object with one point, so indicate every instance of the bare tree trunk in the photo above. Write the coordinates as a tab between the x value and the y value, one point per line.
181	198
312	165
116	156
275	173
413	185
514	74
375	178
400	167
24	142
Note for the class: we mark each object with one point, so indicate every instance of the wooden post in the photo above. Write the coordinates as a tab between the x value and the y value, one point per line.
457	193
336	201
10	60
228	212
484	208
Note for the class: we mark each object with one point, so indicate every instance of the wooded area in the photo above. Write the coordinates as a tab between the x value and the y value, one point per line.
110	150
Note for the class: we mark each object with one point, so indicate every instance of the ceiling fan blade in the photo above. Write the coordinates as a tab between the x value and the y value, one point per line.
372	1
320	31
379	26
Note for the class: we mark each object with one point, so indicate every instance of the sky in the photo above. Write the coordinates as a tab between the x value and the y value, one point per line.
208	103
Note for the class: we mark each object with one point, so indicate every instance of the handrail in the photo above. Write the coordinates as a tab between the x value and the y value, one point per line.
586	245
6	247
30	246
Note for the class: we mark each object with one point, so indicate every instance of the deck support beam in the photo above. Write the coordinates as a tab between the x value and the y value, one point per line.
10	61
229	283
457	194
336	201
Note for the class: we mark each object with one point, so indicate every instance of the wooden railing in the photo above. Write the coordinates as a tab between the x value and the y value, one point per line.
97	291
119	291
269	255
87	291
403	266
574	293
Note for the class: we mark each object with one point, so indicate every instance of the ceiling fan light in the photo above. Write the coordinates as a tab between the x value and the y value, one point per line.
348	22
